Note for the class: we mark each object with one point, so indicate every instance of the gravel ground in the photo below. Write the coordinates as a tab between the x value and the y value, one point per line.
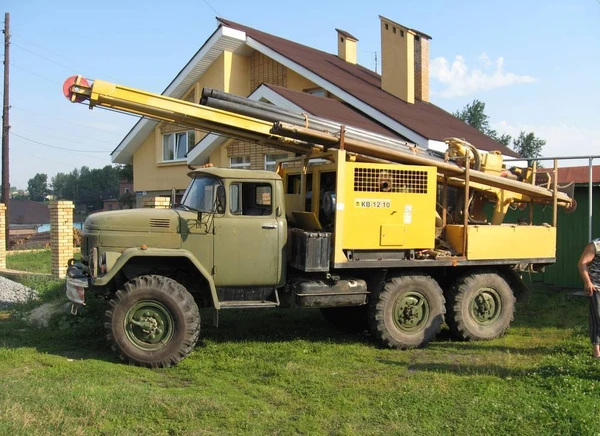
13	292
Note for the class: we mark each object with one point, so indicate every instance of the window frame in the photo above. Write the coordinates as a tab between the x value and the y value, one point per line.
274	161
242	165
190	139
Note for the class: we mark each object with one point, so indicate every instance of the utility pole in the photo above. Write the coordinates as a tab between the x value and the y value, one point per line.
5	198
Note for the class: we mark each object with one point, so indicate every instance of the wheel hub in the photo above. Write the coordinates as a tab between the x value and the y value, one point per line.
411	312
486	306
149	325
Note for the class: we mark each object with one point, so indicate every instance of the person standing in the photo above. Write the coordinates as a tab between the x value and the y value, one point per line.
589	269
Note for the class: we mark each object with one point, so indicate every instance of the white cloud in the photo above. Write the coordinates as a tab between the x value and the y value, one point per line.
562	140
461	80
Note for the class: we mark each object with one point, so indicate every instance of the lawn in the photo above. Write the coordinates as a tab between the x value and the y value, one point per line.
37	261
289	372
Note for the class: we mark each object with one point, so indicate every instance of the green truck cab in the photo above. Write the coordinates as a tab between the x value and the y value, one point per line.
224	246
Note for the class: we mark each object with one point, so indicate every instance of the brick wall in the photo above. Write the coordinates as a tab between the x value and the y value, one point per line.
422	69
157	202
263	69
255	151
61	236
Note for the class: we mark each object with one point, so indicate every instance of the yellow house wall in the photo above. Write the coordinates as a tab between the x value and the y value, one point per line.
297	82
229	72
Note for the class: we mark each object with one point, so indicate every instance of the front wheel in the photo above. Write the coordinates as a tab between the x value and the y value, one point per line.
481	307
154	322
408	312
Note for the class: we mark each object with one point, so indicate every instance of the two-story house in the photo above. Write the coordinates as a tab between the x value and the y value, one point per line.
248	62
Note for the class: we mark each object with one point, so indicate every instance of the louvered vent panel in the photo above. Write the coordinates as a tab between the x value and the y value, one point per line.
383	180
160	223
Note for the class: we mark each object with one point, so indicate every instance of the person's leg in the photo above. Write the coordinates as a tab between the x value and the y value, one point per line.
595	324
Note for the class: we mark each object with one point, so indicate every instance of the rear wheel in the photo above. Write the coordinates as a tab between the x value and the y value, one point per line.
481	307
154	322
408	312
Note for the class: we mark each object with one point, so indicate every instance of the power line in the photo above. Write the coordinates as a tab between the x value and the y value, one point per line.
65	121
42	57
57	147
16	150
30	123
57	54
214	10
35	74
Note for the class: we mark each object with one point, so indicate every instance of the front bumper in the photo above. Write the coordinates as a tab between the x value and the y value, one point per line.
77	281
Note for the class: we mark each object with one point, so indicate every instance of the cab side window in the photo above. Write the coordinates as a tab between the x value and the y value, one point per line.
251	198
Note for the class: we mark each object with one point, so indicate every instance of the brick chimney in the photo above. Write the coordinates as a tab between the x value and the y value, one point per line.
346	46
404	61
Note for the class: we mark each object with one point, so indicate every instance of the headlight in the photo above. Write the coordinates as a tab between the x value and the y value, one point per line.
93	262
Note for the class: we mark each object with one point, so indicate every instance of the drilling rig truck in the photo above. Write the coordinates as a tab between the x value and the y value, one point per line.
377	234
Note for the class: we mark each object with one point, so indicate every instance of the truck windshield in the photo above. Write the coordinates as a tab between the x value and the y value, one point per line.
201	194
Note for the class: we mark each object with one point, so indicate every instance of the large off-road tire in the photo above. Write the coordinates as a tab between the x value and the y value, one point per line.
154	322
408	312
481	307
352	319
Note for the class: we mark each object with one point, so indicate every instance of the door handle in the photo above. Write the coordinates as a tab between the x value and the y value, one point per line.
269	226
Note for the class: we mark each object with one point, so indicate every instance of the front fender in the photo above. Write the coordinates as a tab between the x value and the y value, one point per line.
130	253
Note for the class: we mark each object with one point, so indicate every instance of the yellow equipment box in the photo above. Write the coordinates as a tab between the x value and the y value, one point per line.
507	241
388	206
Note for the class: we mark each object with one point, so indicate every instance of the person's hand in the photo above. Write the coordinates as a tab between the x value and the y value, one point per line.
589	288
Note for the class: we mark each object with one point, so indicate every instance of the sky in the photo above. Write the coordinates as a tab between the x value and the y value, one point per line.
534	63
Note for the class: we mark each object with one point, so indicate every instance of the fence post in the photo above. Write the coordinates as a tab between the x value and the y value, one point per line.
3	241
61	236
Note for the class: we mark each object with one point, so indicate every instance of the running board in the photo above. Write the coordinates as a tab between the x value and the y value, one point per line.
247	304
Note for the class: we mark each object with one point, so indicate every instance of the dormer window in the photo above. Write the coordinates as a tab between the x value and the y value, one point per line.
319	92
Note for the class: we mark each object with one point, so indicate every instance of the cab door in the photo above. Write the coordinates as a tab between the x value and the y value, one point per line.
247	237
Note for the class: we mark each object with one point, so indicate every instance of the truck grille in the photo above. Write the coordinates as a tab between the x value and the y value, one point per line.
161	223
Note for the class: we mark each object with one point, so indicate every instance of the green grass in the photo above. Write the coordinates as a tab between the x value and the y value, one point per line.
287	372
32	261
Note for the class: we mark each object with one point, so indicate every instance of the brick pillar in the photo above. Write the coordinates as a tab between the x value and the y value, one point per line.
2	236
157	202
61	236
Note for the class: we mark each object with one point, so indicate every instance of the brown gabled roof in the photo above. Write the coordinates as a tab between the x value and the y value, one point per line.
575	174
424	118
334	110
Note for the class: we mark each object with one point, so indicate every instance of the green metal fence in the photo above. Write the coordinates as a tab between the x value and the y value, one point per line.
572	236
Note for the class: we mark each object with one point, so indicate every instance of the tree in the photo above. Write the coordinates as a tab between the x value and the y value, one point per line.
59	185
474	115
38	187
126	172
527	145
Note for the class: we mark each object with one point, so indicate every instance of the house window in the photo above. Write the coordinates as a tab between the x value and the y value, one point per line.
319	92
241	162
176	145
271	160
